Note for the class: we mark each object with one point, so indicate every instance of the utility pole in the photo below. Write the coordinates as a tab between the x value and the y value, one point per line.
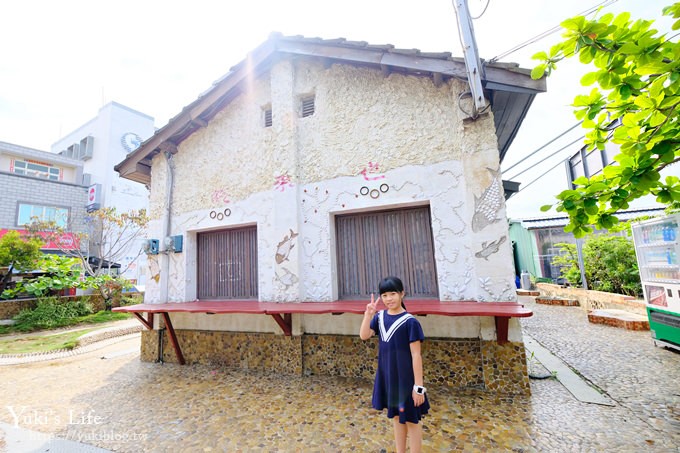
475	71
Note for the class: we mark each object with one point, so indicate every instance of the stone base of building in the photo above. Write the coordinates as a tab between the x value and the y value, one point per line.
455	363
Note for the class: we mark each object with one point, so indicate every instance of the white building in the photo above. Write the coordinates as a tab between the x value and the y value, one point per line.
101	143
306	174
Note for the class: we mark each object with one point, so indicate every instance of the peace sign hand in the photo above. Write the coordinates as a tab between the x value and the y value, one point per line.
372	307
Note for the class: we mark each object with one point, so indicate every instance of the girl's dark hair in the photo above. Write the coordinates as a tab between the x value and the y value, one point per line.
389	284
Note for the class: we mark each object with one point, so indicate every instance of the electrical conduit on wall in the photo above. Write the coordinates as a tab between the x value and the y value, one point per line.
165	257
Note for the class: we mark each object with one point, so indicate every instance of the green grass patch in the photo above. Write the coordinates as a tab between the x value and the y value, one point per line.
42	343
93	318
103	316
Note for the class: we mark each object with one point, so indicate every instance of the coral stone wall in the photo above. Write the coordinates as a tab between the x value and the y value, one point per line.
400	138
592	300
457	363
11	308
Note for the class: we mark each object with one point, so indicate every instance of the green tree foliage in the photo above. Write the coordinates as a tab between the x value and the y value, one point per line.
58	273
635	73
17	254
609	261
567	261
108	241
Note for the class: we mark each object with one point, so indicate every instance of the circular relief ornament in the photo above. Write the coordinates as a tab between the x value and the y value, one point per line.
130	141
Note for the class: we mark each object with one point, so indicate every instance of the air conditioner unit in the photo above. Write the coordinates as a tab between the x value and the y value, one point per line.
151	246
173	243
86	148
72	151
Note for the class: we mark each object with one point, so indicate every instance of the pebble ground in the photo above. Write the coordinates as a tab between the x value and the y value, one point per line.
121	404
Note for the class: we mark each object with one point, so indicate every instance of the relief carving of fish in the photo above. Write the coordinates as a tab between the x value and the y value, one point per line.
287	278
488	205
489	249
285	246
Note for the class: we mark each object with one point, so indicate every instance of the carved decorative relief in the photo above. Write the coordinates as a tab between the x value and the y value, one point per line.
489	248
507	291
454	285
286	278
154	268
372	177
284	247
220	196
488	205
220	214
282	182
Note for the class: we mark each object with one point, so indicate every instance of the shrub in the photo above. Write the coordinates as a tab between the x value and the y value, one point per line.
609	261
50	312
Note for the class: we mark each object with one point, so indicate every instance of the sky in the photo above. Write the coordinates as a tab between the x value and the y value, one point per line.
61	61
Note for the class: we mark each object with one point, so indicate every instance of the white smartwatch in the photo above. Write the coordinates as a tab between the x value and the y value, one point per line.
419	389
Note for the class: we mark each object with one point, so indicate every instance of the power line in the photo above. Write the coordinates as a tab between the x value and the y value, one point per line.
551	141
551	169
540	36
548	157
482	13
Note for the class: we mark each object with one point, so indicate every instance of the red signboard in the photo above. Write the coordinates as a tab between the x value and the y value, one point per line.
67	241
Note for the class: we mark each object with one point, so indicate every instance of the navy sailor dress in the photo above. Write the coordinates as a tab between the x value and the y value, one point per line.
394	380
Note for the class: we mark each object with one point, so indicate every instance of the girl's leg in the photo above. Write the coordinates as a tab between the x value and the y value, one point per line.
415	436
399	435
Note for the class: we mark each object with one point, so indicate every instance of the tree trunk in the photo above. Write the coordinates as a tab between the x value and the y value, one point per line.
6	278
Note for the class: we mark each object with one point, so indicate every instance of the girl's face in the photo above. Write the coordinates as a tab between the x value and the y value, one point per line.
392	299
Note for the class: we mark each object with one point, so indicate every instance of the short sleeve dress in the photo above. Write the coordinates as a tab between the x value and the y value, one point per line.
394	379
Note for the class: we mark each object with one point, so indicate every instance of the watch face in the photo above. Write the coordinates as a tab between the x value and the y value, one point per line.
130	141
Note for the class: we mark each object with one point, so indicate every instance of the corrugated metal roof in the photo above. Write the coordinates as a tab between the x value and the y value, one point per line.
561	221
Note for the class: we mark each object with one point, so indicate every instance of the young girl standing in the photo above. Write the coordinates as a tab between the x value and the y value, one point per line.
399	379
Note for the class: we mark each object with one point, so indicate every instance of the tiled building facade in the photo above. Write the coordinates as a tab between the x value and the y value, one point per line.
40	184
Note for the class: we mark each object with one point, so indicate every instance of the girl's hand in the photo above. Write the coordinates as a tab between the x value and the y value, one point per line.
372	307
418	399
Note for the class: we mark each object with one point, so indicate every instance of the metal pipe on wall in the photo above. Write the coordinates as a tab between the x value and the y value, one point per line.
165	257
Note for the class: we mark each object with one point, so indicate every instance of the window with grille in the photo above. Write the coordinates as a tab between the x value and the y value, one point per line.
307	107
268	117
227	264
371	246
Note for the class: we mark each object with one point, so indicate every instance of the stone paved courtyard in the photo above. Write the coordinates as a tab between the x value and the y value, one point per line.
122	404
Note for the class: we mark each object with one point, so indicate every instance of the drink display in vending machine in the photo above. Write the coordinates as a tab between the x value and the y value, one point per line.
657	246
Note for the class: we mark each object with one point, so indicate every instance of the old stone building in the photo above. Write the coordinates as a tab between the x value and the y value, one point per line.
310	171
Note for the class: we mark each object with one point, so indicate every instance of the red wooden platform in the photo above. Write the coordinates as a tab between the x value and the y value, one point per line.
282	312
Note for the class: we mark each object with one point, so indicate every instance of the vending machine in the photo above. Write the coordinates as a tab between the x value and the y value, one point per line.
657	245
